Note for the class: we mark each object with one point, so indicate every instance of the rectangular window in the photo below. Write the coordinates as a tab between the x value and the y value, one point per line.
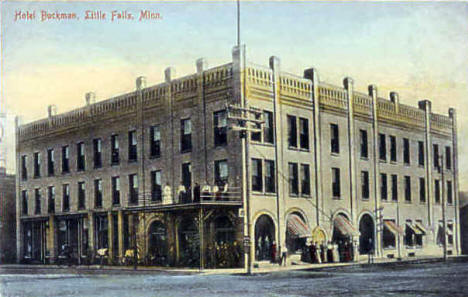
65	159
257	184
256	136
304	133
268	135
185	135
394	187
66	197
383	186
50	162
437	191
80	161
449	193
270	183
449	233
156	186
115	158
336	183
115	190
81	195
448	158
97	193
24	167
37	165
37	197
364	145
334	139
393	149
292	131
221	172
24	198
51	199
133	189
421	153
293	179
187	180
305	180
422	190
132	146
435	152
155	141
406	151
407	188
220	128
365	184
382	147
97	148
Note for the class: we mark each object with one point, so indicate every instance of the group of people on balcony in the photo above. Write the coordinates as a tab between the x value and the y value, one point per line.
185	194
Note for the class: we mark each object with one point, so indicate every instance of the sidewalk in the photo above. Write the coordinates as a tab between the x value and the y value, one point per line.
97	269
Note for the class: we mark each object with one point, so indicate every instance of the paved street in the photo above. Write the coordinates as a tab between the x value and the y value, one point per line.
435	279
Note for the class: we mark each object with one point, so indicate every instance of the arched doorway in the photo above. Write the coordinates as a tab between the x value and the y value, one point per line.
264	238
157	244
366	238
189	243
297	232
343	233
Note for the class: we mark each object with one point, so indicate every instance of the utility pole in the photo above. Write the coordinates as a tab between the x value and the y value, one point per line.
242	121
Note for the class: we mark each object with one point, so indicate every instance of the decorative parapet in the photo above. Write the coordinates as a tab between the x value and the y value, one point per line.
184	87
333	96
295	86
441	123
362	103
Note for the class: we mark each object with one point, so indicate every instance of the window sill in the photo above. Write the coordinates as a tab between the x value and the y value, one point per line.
293	195
305	150
115	163
80	170
186	151
132	160
333	154
336	198
154	157
306	196
421	166
364	158
392	248
98	167
408	202
365	199
382	161
407	164
292	148
393	162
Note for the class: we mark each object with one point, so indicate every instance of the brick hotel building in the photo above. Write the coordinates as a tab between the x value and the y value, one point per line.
328	164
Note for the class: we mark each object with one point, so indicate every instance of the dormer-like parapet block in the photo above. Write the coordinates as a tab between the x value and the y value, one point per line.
90	98
140	83
202	65
51	111
395	99
169	74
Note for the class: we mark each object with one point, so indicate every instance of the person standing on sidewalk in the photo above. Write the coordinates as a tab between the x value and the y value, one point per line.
284	256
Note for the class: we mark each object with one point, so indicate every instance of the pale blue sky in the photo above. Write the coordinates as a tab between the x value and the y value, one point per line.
416	48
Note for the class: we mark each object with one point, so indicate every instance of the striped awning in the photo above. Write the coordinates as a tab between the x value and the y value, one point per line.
420	227
414	229
345	226
394	228
297	227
